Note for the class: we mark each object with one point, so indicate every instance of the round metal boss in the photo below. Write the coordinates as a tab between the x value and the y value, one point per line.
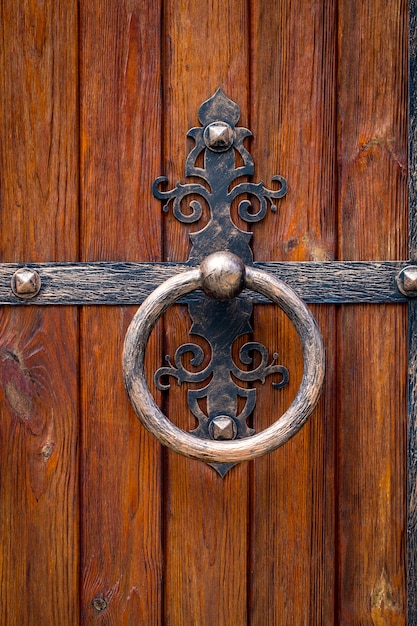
223	275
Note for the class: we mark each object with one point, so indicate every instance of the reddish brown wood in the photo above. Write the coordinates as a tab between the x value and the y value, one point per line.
206	47
38	378
120	152
293	120
311	534
372	340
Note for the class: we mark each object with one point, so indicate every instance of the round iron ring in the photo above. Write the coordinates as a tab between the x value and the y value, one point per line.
164	296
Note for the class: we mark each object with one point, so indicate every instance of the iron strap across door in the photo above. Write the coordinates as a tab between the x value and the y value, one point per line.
327	282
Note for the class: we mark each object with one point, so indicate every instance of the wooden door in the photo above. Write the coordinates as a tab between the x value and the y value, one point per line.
98	523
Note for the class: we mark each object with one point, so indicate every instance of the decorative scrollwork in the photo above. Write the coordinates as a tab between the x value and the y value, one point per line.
177	195
224	424
219	324
221	392
217	144
220	140
263	370
263	196
179	371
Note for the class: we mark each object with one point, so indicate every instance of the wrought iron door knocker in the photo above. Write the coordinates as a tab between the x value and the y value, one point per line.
221	266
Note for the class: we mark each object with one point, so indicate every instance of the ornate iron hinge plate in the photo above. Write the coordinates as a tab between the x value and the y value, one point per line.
220	323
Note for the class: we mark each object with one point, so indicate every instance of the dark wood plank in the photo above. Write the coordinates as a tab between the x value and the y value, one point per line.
412	323
372	342
332	282
120	156
293	120
38	354
411	467
206	47
412	128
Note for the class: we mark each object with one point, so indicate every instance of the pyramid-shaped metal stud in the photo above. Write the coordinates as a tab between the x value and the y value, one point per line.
218	136
26	283
223	428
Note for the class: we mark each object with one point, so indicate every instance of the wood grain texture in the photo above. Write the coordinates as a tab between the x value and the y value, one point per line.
412	128
371	465
315	532
293	113
205	47
372	346
120	156
411	467
411	545
39	132
38	378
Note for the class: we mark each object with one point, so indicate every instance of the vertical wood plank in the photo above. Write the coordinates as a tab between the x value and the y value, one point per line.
412	323
206	47
372	470
412	128
39	348
411	466
372	341
120	157
293	120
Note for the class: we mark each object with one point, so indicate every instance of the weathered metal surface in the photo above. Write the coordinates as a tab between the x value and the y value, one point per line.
223	251
26	283
226	321
407	281
219	172
222	454
110	283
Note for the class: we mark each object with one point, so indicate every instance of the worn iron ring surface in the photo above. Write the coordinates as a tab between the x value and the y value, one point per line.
223	451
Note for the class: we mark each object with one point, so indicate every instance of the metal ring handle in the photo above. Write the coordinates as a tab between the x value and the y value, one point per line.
240	449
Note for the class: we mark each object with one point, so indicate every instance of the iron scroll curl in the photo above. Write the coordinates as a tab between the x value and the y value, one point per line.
220	168
224	269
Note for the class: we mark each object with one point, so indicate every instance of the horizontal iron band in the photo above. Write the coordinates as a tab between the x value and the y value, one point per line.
108	283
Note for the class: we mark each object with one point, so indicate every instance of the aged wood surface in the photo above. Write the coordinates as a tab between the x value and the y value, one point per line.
38	379
412	127
292	500
412	471
312	534
411	544
121	283
206	47
120	155
372	342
